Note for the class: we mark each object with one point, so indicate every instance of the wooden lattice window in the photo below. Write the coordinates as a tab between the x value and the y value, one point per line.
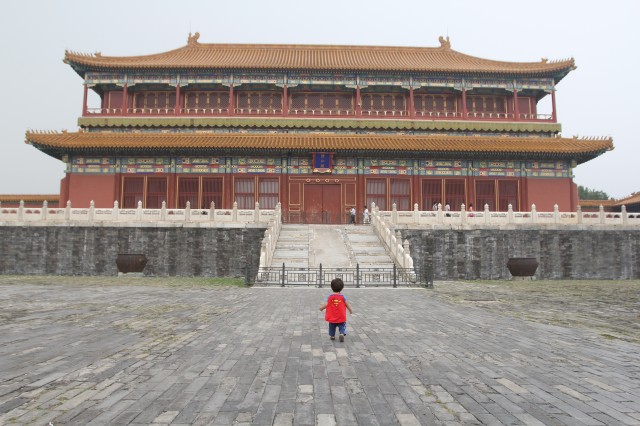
188	188
156	192
434	103
507	194
268	193
486	194
154	101
390	102
244	193
259	102
377	193
206	100
211	192
132	192
454	193
321	103
486	104
400	194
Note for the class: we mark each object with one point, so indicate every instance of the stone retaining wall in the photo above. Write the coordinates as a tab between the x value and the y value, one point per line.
171	251
562	253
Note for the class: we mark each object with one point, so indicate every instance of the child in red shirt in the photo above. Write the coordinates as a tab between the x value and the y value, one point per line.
336	307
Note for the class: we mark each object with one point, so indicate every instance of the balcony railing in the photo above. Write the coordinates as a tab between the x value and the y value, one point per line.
318	112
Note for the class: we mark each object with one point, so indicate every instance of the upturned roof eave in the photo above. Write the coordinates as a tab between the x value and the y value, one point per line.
58	152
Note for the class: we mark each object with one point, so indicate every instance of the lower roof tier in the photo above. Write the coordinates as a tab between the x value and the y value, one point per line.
317	124
578	150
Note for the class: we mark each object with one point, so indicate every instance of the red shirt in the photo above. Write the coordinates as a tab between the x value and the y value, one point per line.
336	309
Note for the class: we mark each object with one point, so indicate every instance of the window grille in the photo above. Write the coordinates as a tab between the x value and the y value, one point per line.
156	192
245	193
485	194
268	193
454	193
401	194
431	193
211	191
507	194
377	193
188	191
132	192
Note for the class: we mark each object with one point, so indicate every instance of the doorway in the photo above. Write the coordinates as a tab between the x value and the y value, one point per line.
323	204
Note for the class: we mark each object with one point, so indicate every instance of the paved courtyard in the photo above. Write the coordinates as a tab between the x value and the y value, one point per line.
115	351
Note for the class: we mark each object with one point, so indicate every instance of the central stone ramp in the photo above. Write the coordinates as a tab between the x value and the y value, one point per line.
333	246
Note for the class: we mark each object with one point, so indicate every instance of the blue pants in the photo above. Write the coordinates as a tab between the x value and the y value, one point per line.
342	327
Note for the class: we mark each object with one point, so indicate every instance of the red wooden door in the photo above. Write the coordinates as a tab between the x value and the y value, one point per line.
322	204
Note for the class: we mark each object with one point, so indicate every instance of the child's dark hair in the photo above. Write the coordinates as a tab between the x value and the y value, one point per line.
337	285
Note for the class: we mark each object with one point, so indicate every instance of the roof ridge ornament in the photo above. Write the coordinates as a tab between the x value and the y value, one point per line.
193	39
444	43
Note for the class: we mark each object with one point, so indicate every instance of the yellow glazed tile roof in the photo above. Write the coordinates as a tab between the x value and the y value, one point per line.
117	141
318	57
16	198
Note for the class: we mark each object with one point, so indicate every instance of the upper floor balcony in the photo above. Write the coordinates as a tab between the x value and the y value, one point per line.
408	105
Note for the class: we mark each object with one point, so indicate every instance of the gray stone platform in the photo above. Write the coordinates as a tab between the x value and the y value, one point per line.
108	352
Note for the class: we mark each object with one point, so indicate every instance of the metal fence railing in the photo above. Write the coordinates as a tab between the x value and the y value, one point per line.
352	277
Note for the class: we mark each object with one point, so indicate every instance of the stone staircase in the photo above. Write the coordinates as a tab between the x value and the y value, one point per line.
333	246
338	248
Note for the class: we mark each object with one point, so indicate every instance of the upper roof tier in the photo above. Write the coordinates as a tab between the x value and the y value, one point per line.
198	56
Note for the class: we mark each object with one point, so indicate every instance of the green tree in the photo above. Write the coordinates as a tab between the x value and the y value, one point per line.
585	193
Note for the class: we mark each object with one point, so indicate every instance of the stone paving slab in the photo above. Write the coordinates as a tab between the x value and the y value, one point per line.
105	351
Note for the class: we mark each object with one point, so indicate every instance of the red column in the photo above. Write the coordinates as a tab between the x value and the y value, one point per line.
285	101
412	108
358	105
177	106
231	103
464	103
554	117
516	111
84	100
125	102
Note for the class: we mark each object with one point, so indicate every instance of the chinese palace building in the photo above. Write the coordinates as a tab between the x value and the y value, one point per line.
320	129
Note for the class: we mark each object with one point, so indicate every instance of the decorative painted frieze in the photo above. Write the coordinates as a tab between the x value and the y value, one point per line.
200	165
422	81
256	165
548	169
546	84
185	79
383	80
146	165
93	78
442	168
92	165
296	78
262	78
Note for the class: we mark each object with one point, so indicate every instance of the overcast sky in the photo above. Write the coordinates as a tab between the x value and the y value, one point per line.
597	99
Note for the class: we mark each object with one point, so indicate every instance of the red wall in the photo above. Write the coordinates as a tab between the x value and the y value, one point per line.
82	189
544	193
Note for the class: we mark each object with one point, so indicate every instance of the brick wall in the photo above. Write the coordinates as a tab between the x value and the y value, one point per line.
171	251
561	253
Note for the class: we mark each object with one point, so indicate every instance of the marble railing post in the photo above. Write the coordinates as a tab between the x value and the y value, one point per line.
256	212
510	213
556	213
43	212
394	214
416	214
163	211
67	211
534	214
463	214
212	211
21	211
439	214
579	214
187	212
116	211
234	212
601	212
92	211
624	215
139	211
487	214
